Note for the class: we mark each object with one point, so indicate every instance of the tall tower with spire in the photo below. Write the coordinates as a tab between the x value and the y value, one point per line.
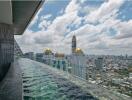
73	44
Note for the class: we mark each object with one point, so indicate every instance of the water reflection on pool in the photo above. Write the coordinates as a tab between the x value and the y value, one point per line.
42	83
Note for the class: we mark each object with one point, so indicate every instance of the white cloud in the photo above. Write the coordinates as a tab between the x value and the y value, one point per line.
125	30
91	37
107	10
45	17
44	24
72	6
52	33
60	24
88	9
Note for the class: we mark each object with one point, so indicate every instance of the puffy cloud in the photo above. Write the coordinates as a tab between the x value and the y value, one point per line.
72	6
125	30
44	24
45	17
92	36
107	9
60	23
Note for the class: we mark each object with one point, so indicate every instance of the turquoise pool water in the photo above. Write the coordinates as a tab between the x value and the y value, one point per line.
42	82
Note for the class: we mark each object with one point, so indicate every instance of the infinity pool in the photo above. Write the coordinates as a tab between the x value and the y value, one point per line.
42	82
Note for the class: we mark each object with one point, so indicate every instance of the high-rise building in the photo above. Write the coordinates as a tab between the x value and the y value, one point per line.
29	55
99	63
39	57
60	61
73	44
48	56
78	63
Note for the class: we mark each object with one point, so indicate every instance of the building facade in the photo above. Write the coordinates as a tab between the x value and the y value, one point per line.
74	44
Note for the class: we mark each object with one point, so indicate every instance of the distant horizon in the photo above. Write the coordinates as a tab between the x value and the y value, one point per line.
87	54
101	27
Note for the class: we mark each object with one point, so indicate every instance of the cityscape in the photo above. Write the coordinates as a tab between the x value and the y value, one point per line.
65	50
109	71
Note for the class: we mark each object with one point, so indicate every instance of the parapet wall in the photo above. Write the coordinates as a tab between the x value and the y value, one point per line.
6	48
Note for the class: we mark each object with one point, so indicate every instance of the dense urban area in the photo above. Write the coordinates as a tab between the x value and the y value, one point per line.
108	71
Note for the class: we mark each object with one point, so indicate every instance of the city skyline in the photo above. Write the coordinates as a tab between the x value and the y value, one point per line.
69	50
99	27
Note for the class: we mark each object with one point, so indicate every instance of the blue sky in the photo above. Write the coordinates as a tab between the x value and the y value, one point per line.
101	27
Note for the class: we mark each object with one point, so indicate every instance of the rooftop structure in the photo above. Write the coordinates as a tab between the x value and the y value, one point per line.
18	14
74	44
78	51
47	51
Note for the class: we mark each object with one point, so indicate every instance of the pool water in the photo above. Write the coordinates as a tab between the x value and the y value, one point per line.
42	83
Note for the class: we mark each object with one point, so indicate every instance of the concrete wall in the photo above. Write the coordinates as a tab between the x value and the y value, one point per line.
6	48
